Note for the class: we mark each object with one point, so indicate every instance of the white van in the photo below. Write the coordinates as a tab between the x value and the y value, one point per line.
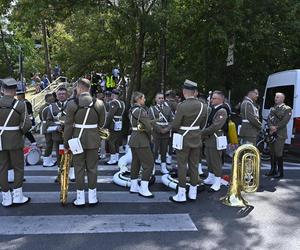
287	82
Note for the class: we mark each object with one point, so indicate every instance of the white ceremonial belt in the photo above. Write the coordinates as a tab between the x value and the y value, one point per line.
85	126
162	123
57	123
134	129
118	116
9	128
245	120
44	122
189	128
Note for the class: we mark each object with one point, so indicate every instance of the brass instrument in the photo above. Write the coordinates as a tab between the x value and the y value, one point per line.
64	177
245	175
140	126
104	133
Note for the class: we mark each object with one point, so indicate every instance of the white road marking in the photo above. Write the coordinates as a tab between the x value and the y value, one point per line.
87	224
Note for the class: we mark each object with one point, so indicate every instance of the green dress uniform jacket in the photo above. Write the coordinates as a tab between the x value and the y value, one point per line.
90	138
250	121
163	115
187	111
279	117
57	112
14	139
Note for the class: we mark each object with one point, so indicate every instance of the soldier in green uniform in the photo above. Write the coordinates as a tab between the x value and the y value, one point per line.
139	143
214	128
43	113
250	119
55	120
14	123
84	116
189	119
172	103
278	119
115	124
161	130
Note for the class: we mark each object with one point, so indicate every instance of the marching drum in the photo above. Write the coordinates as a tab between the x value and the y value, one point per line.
32	155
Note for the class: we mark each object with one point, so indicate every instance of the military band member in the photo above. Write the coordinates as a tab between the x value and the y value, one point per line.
172	102
161	130
14	123
55	121
250	119
215	122
139	143
278	119
189	119
90	140
43	114
114	123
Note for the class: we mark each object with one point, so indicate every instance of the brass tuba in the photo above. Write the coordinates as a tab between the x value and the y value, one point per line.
64	177
103	133
244	176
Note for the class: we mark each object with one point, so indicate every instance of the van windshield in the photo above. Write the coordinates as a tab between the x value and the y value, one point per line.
288	90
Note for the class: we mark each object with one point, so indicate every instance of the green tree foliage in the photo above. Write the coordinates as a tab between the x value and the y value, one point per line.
101	34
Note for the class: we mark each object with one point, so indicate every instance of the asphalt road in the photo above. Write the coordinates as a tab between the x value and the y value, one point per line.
129	222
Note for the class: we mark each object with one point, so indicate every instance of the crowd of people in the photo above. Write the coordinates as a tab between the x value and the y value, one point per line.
188	128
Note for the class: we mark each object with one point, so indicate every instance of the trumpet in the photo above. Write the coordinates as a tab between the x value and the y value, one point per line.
244	177
64	177
103	133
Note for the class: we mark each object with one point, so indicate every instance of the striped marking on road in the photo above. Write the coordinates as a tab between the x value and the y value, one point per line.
104	197
227	166
90	224
50	179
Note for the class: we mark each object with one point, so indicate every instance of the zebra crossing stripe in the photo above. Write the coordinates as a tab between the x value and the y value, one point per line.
50	179
90	224
104	197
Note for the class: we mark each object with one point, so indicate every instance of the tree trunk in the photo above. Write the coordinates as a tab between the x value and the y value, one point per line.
6	56
46	48
163	56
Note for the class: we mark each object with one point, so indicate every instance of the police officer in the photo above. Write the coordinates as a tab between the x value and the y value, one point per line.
161	130
278	119
115	124
55	121
14	123
43	114
214	128
139	143
189	119
84	116
250	118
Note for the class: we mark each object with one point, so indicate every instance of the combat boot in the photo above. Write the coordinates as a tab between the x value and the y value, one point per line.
6	199
80	199
180	197
19	198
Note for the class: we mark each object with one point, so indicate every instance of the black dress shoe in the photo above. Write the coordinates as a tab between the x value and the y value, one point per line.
271	173
278	176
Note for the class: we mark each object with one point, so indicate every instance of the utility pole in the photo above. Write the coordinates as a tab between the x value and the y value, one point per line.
163	48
